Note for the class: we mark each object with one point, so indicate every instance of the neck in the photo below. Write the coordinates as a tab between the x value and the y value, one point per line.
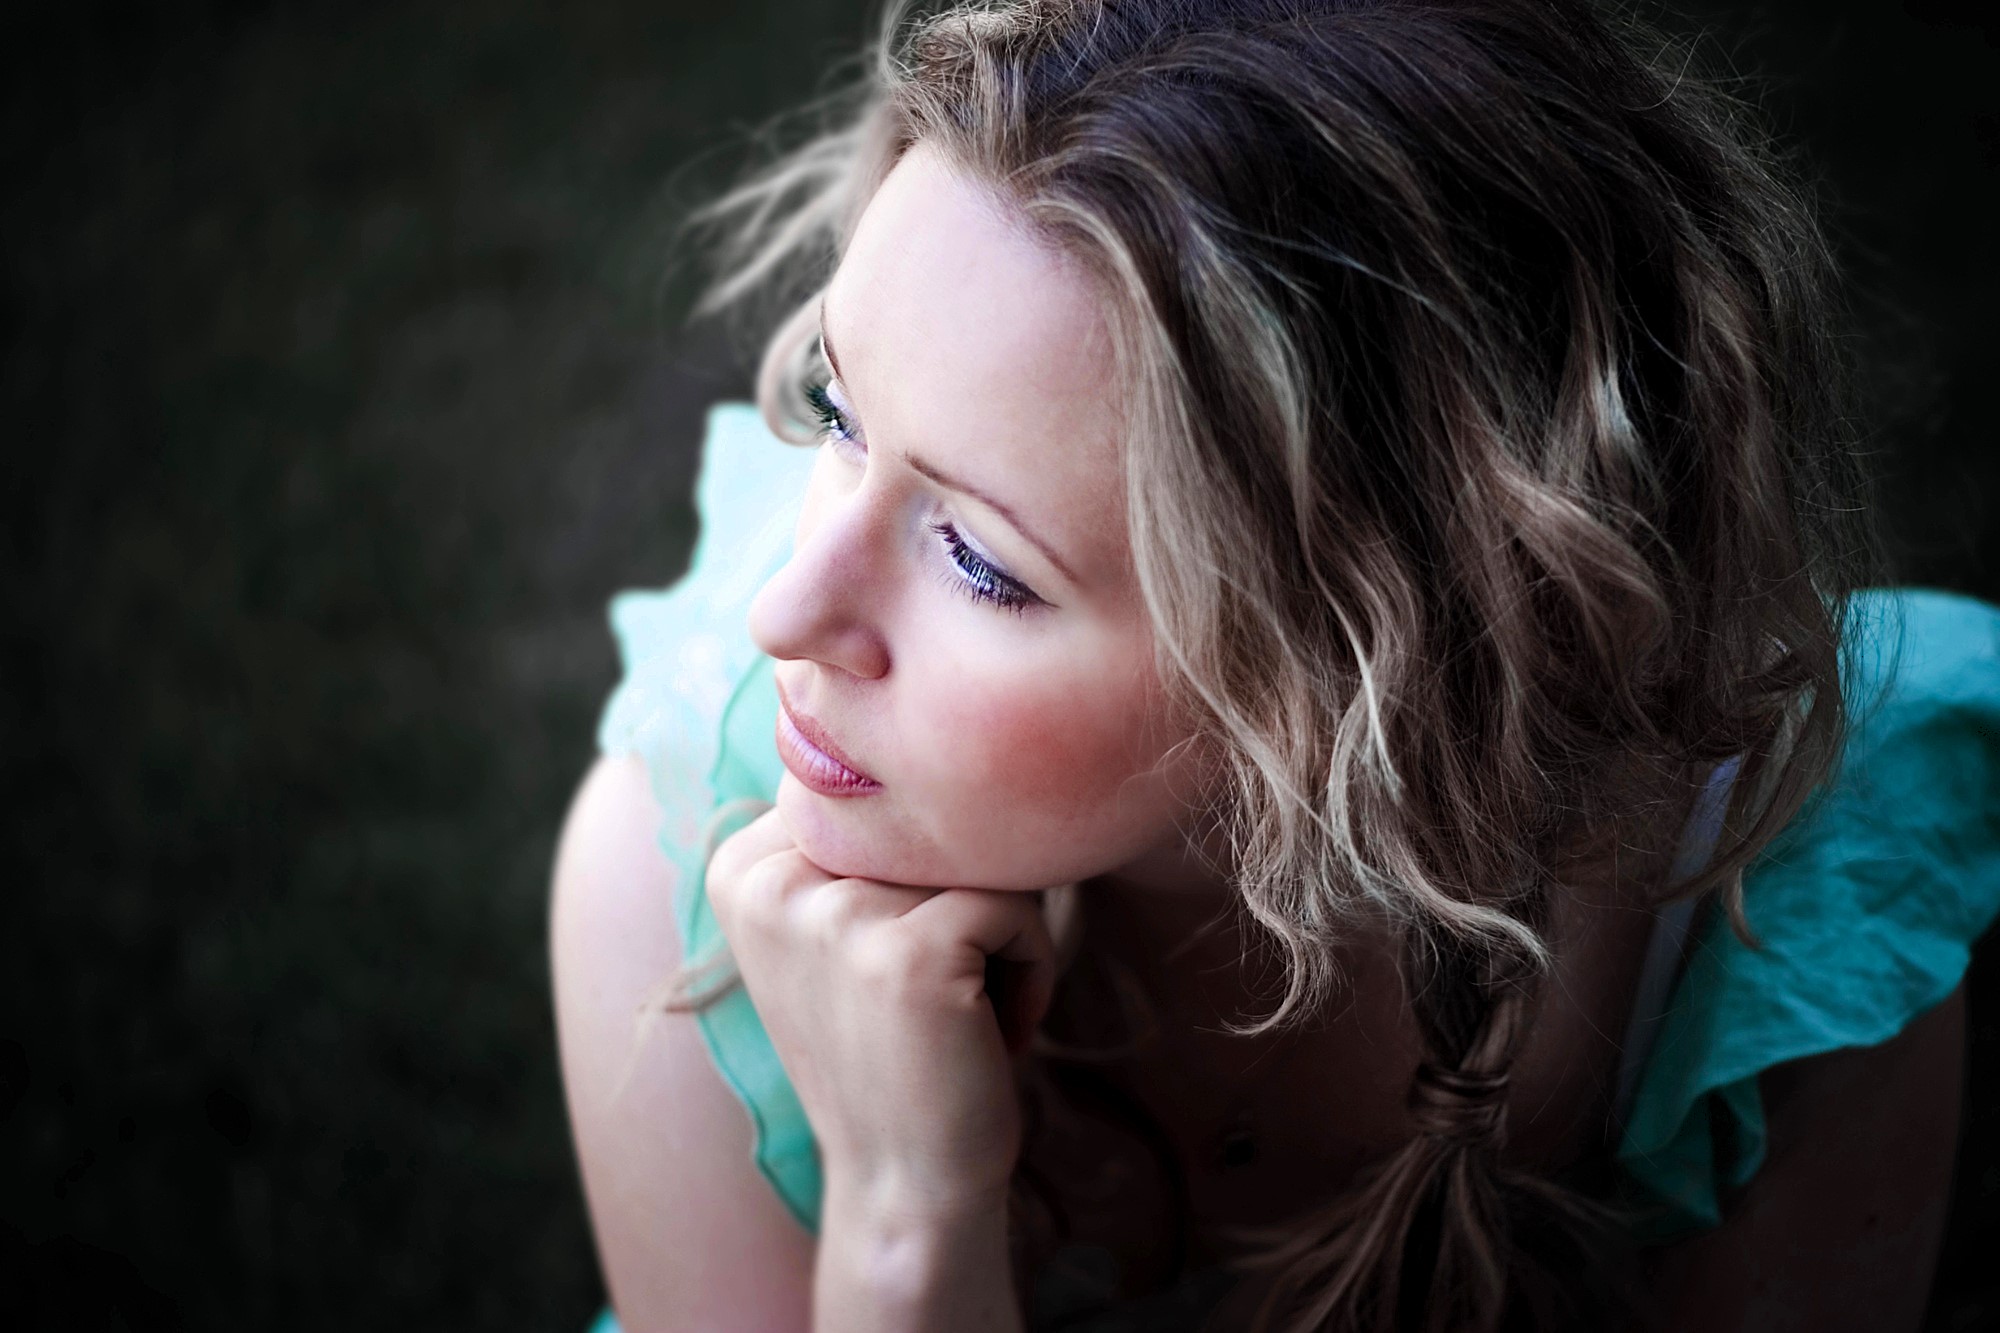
1179	883
1169	917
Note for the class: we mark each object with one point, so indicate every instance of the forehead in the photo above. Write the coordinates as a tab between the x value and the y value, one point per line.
968	342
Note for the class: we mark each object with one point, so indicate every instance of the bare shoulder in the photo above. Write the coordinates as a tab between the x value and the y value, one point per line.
689	1233
1841	1227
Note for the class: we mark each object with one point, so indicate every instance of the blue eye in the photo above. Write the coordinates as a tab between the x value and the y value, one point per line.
981	581
976	577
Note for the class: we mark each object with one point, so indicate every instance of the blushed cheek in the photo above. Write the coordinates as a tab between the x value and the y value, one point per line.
1046	752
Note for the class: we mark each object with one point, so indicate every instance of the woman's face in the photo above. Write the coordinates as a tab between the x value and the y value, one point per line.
960	618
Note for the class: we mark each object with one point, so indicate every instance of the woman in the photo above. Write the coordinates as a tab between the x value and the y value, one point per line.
1332	537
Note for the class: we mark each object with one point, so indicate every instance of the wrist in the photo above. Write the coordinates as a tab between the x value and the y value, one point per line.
910	1255
895	1202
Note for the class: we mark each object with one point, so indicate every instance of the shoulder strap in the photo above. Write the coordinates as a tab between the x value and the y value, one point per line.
1673	921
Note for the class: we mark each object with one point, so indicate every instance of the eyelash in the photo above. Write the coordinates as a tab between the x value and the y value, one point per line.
981	581
832	424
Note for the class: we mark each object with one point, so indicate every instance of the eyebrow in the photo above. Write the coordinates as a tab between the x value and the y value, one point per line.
942	478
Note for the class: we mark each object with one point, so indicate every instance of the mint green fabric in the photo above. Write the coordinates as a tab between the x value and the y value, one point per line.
1867	906
699	706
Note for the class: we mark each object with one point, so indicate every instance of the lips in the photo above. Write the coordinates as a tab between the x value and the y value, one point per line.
812	757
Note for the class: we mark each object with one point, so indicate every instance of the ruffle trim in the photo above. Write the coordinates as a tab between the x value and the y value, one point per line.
697	704
1867	906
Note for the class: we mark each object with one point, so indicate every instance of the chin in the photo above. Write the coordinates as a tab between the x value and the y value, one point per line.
831	833
859	838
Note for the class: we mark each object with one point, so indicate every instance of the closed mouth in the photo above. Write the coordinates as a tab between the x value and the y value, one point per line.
827	766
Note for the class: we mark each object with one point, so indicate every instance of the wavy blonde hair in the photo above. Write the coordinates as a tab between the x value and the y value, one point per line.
1489	481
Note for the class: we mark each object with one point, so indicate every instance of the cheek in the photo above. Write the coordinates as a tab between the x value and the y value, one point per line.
1060	750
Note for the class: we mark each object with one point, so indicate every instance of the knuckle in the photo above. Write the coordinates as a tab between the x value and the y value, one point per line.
767	894
738	888
725	869
719	880
761	890
834	910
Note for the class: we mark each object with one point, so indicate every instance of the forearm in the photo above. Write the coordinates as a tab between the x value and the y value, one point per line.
885	1268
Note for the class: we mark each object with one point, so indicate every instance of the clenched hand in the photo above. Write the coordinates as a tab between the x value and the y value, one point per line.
875	998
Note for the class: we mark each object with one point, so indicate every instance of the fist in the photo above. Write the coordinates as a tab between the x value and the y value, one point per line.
886	1004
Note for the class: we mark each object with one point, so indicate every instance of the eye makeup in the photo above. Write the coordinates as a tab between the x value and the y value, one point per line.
982	581
832	421
977	576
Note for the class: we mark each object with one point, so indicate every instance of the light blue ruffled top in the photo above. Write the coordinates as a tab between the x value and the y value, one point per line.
1866	906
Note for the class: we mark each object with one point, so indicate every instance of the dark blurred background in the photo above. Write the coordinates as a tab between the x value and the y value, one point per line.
343	384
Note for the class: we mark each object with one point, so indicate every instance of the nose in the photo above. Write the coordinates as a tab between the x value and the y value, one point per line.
819	606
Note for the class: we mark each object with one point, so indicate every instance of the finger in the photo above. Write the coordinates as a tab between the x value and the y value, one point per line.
874	898
761	837
1037	995
1033	954
837	907
1002	922
1009	926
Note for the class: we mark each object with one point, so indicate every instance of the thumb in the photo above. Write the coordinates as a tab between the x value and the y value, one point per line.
1057	916
1022	996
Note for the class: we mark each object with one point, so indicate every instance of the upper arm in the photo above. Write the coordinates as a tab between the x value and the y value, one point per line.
1840	1228
690	1234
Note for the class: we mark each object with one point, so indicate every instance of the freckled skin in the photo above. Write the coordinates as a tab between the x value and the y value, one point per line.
1016	751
